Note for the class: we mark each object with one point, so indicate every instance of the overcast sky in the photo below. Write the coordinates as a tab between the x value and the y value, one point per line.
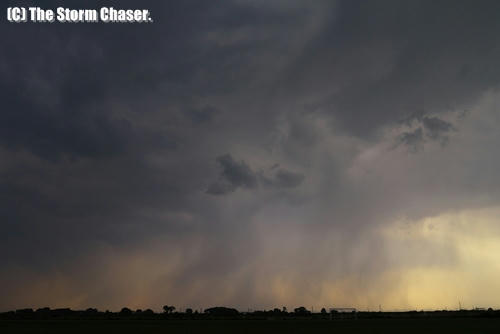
253	154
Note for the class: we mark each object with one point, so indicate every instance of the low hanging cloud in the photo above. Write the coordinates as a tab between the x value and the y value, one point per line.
234	175
429	128
282	178
238	174
413	139
436	128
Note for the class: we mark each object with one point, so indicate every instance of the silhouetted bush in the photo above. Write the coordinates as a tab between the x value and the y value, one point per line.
301	311
222	311
125	311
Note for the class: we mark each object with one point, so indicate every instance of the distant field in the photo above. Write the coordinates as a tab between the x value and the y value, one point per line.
449	325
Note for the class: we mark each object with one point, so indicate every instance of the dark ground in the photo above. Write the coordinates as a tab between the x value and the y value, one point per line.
447	325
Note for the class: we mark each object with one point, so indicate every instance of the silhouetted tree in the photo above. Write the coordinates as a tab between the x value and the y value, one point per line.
148	312
189	311
125	311
323	311
301	310
44	312
168	309
91	311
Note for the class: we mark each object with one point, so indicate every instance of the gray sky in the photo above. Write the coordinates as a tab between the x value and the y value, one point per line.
253	154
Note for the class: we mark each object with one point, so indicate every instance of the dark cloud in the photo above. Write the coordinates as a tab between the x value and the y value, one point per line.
283	178
236	175
413	139
436	128
386	58
220	188
108	134
58	128
201	115
429	128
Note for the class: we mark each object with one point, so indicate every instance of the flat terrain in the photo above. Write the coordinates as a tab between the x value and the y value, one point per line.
446	325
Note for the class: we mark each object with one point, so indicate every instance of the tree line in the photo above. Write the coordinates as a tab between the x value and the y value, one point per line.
170	312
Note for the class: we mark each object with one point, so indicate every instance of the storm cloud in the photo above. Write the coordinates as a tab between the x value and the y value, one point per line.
249	153
236	175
